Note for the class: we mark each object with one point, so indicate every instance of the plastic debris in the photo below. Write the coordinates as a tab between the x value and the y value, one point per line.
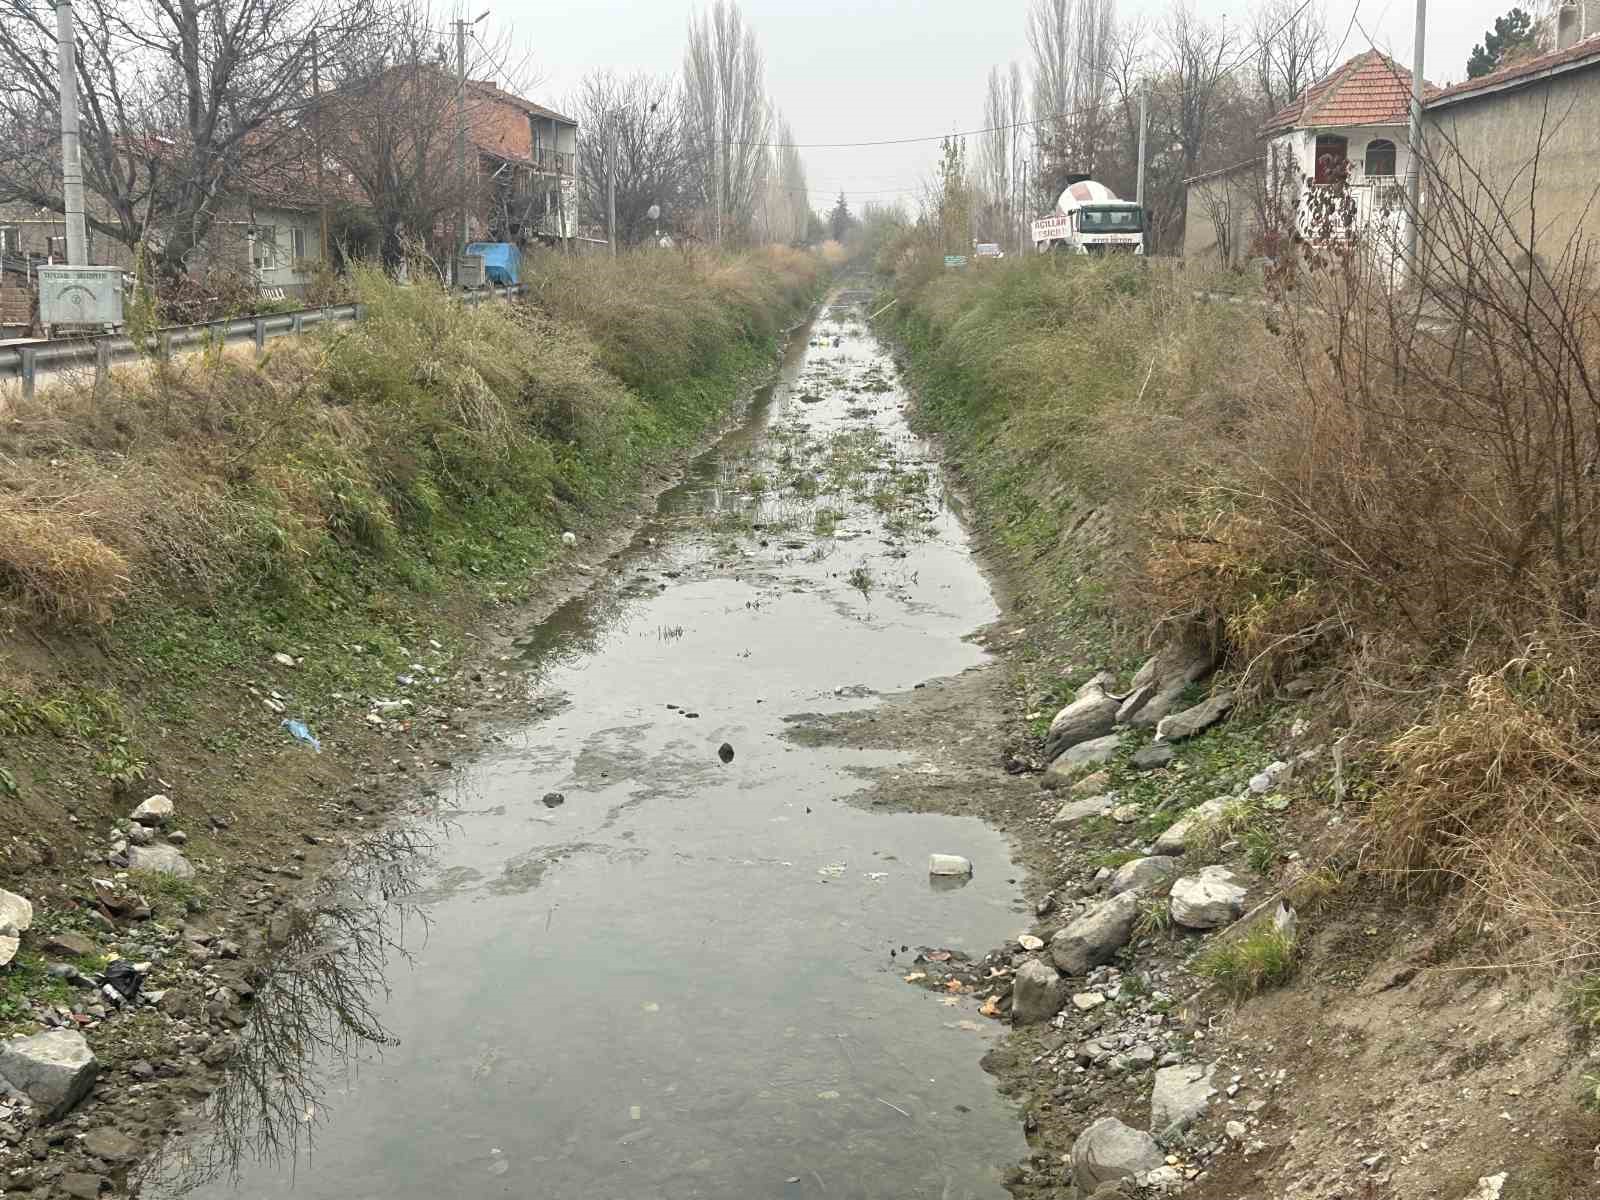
298	731
121	976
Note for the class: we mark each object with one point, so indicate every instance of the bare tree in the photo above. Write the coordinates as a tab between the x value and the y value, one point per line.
638	118
1074	44
177	98
391	117
786	205
1196	73
727	120
1000	152
1293	50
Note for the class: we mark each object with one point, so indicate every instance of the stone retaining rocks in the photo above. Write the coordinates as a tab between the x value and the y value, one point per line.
1153	757
1196	720
1140	874
54	1069
1108	1150
1180	1096
1074	811
1085	754
1172	838
1036	993
1213	897
1095	937
1090	716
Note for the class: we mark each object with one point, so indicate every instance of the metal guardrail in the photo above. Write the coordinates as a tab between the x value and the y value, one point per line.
29	363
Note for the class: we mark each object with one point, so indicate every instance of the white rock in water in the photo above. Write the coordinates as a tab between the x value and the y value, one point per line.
1028	942
569	539
55	1069
949	864
157	810
16	913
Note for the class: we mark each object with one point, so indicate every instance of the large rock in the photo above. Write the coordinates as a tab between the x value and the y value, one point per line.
1172	839
110	1146
1109	1150
1036	993
1181	1095
1153	757
157	810
1095	937
54	1069
1213	897
1164	676
1074	811
16	915
1196	720
1090	716
164	860
1140	874
1085	754
72	945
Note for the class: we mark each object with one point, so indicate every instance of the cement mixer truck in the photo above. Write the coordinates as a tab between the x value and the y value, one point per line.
1090	219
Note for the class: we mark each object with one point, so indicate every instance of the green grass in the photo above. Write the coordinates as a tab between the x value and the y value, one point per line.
169	896
1260	959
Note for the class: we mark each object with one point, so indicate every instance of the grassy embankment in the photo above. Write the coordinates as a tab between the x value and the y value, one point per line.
345	500
1344	488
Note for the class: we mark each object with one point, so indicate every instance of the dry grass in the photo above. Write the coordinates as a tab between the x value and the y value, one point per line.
222	475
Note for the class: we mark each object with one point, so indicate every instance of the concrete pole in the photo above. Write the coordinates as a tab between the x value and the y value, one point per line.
461	130
611	195
71	159
1144	131
322	192
1414	159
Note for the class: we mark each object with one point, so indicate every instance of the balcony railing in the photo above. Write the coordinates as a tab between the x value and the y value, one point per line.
552	161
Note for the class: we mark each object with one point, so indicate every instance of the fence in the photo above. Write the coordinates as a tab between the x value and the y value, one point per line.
28	363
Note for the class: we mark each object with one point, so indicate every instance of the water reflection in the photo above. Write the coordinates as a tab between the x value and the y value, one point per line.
319	1011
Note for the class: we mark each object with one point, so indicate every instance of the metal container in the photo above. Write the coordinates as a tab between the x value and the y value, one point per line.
470	271
80	295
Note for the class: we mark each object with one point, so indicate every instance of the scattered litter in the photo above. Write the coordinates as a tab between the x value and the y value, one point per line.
916	976
938	956
830	1094
896	1107
121	976
725	752
635	1112
949	864
969	1026
651	1006
832	870
405	680
298	731
877	875
554	799
283	660
991	1007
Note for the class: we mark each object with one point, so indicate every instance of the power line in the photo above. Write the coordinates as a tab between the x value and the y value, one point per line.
1261	43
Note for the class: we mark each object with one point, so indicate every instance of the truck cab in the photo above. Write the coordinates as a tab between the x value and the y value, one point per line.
1091	219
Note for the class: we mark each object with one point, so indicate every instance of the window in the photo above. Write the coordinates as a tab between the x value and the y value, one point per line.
1109	220
1380	158
264	247
297	240
1333	153
10	239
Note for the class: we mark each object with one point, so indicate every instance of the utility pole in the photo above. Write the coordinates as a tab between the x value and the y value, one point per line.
322	194
461	131
611	194
1414	156
71	160
1144	129
716	163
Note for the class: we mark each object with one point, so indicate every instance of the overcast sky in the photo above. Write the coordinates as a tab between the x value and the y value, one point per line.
868	70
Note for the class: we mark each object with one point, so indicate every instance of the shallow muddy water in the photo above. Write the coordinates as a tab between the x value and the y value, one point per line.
677	982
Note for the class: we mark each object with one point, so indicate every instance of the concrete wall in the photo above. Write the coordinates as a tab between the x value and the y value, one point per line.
1557	122
1222	214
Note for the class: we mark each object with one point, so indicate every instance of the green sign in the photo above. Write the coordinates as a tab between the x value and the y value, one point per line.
955	260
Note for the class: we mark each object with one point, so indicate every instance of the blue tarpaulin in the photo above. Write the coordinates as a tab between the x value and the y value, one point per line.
502	262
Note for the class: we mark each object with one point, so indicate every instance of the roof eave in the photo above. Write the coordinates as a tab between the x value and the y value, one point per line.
1516	81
